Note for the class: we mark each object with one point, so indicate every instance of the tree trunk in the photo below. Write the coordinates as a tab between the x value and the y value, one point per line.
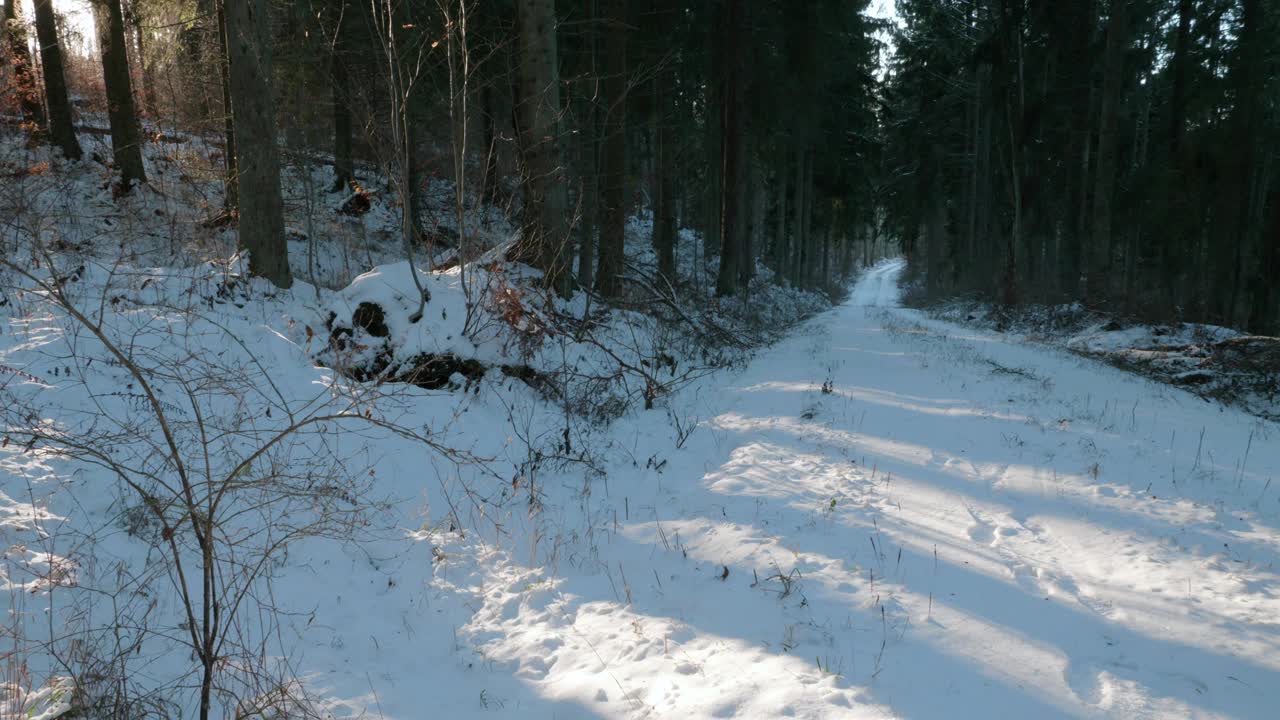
664	211
1180	62
733	123
780	236
149	103
489	129
24	79
1105	178
261	209
589	175
752	215
544	231
797	230
126	138
62	132
340	87
230	183
609	275
806	222
1249	73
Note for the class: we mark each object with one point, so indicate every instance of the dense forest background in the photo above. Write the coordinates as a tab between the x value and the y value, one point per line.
1117	153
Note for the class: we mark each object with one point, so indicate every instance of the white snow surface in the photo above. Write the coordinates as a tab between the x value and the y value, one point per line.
883	515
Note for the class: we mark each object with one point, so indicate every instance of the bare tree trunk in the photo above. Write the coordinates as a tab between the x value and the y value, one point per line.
1105	178
752	215
780	237
261	208
126	139
489	129
230	183
61	131
340	89
609	274
544	238
806	222
797	230
664	211
149	104
589	187
24	79
733	123
1180	62
589	171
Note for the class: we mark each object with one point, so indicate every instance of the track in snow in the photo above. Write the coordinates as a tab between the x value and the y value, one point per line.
879	286
962	526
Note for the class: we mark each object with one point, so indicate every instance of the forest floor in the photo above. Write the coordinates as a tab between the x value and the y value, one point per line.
882	514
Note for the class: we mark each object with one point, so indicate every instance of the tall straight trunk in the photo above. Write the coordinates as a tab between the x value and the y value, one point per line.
733	123
780	233
588	156
489	130
145	75
1270	324
796	262
230	193
1181	62
195	42
24	77
253	111
340	89
1108	130
712	102
544	229
589	183
806	221
664	211
62	132
711	189
1074	78
749	205
1251	167
609	274
126	139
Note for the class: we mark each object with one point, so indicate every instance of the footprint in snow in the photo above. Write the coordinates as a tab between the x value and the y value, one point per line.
981	531
1085	680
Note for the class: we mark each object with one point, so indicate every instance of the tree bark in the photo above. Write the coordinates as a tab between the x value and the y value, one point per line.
1180	62
1105	178
544	238
19	56
664	211
780	234
609	274
733	123
62	132
340	89
149	103
589	186
261	208
230	183
126	138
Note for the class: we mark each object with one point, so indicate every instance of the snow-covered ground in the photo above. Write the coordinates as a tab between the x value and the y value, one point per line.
1217	363
884	514
961	526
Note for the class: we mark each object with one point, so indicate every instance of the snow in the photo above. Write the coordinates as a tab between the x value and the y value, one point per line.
882	514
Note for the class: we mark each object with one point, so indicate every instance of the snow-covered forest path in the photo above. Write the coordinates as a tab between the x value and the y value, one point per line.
890	516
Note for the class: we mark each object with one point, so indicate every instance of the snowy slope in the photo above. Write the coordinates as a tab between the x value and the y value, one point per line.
881	516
